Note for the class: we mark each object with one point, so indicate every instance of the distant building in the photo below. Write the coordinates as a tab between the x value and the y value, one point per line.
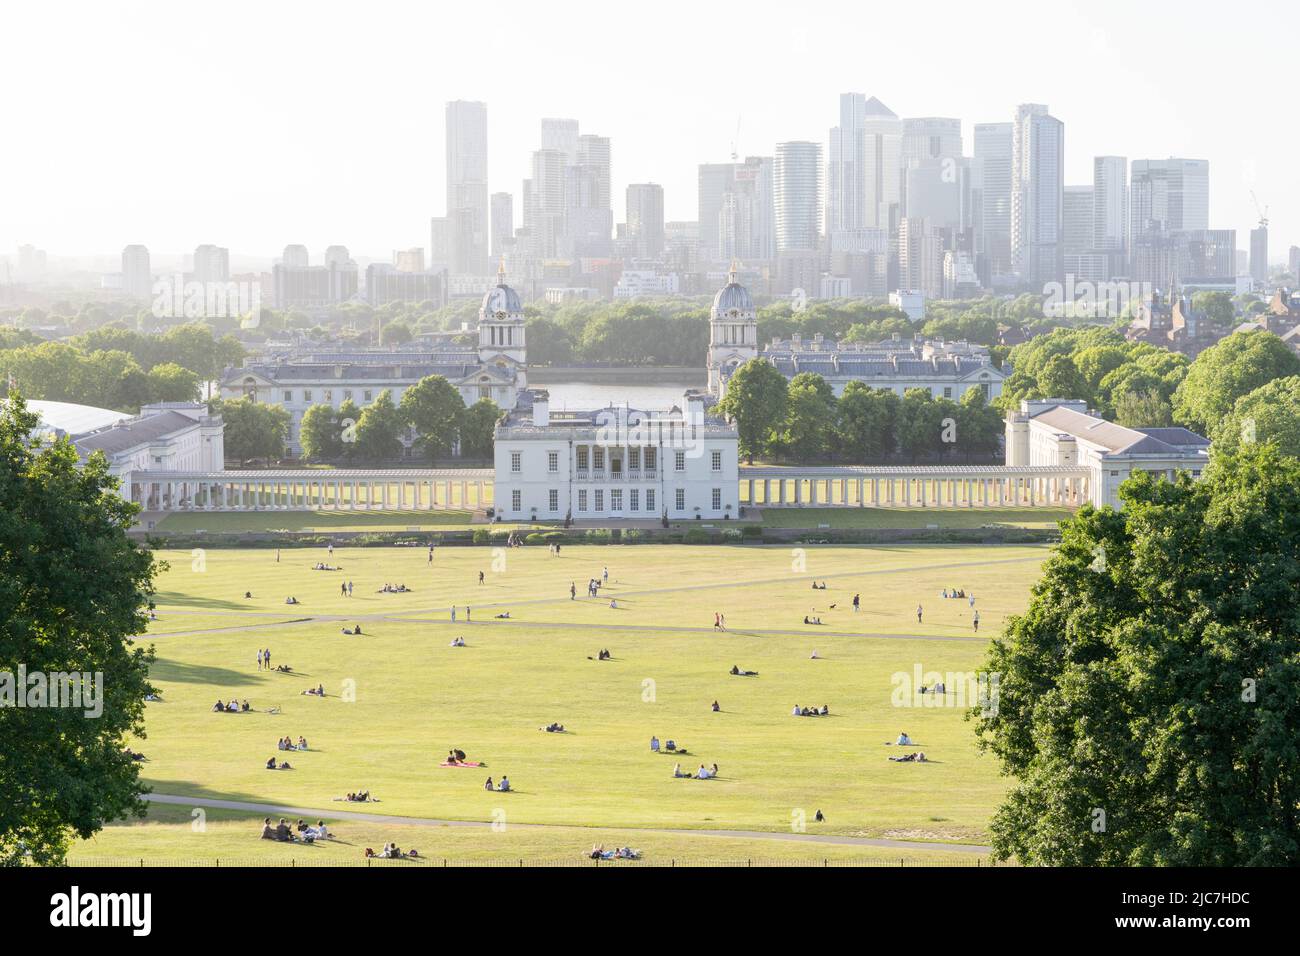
1062	432
137	276
495	369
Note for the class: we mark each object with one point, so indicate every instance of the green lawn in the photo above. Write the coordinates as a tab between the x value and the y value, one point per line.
175	835
399	696
813	518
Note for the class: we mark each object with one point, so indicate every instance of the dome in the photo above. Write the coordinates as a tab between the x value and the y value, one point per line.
732	296
501	299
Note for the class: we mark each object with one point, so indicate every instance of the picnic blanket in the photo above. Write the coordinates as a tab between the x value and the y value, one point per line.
463	763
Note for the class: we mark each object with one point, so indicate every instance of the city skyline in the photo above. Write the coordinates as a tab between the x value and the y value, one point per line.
380	199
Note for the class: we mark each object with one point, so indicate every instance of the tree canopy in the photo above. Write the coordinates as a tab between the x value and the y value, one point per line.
73	591
1148	700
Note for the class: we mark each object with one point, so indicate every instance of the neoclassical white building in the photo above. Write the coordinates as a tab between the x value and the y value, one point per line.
1063	433
496	369
615	463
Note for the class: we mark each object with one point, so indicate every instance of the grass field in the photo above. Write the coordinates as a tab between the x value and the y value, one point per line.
398	697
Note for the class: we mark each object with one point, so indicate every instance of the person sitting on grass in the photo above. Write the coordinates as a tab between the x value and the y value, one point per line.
489	785
218	707
703	773
302	743
825	712
677	771
503	616
716	708
903	740
268	831
654	744
457	642
245	706
503	786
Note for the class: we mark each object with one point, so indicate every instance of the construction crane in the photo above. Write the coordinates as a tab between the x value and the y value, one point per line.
1262	212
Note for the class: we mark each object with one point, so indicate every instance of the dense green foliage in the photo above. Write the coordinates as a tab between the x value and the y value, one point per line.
73	589
1148	701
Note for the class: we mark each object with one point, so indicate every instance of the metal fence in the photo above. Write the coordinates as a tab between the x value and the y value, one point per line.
671	862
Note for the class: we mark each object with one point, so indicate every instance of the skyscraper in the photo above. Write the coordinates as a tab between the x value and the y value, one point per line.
1077	221
503	222
645	218
1169	195
1259	254
715	182
796	177
882	163
1037	195
993	162
590	215
467	190
211	264
1109	203
137	275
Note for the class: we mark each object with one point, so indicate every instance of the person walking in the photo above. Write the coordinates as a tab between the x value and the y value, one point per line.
259	658
573	590
349	589
480	577
918	614
453	614
976	621
857	600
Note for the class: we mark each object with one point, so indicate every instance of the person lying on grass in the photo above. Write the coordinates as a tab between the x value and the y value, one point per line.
317	691
915	757
556	728
737	671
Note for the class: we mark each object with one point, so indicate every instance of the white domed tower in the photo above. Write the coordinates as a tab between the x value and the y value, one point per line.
733	332
501	326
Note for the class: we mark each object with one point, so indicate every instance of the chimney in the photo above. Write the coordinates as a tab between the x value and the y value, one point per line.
541	408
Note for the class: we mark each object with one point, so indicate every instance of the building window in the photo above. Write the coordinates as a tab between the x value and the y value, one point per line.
717	499
717	461
633	458
681	461
681	499
650	499
598	457
553	501
600	500
553	461
615	466
650	459
288	396
368	393
582	500
947	391
582	457
634	500
329	394
516	500
616	500
306	395
347	394
515	464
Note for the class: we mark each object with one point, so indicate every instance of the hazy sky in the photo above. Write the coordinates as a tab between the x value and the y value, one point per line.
252	125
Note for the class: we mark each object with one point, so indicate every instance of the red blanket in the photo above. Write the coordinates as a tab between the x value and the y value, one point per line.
463	763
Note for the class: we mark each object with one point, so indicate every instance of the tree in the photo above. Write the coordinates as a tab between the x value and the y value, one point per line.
1227	370
1270	414
1145	409
1146	705
979	426
73	589
809	425
170	382
477	429
867	419
1217	307
253	430
395	333
434	408
920	426
379	429
756	399
320	434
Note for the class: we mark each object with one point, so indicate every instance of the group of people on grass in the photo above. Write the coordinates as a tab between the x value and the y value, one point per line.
286	743
503	786
272	765
234	707
305	831
824	711
668	746
598	852
554	728
704	773
393	589
317	691
392	851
